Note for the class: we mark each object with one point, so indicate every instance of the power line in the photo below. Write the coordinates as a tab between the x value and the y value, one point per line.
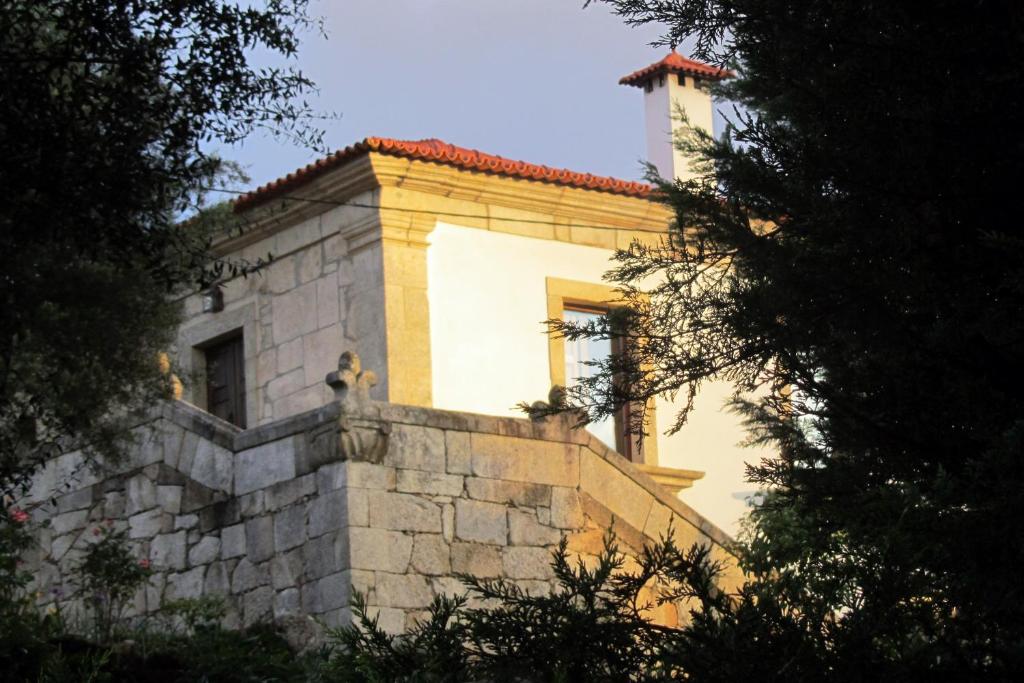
451	214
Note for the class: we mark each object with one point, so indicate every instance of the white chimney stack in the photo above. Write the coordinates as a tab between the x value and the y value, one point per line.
669	85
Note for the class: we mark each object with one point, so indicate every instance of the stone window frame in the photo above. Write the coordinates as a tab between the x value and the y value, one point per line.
562	293
194	337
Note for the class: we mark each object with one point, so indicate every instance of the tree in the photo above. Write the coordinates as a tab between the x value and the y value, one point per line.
851	260
850	252
108	110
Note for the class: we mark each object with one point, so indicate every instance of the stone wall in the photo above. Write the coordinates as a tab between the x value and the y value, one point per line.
322	292
286	518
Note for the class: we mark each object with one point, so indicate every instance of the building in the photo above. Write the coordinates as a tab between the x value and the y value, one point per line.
436	265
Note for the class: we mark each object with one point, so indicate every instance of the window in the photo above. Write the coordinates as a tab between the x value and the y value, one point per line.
225	380
581	302
578	355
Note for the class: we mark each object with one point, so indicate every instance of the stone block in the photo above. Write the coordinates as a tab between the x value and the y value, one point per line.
155	591
76	500
481	522
432	483
328	304
205	551
524	529
259	538
217	581
526	563
252	504
515	492
248	575
187	454
186	521
364	475
658	522
169	498
482	561
358	507
167	551
448	522
287	492
335	590
320	351
211	466
70	521
529	460
402	590
566	510
289	356
286	570
430	555
141	493
187	584
458	453
448	585
257	605
327	513
379	549
303	400
266	366
389	619
60	546
290	528
403	512
114	504
294	313
265	465
280	275
324	555
286	384
232	541
623	497
145	524
310	263
286	603
416	448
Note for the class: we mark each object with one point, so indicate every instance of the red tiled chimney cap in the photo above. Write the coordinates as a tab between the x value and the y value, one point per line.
675	63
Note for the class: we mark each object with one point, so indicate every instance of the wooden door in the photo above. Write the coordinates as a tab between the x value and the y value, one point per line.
225	381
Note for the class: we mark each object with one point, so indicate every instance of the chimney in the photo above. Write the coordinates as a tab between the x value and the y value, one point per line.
674	82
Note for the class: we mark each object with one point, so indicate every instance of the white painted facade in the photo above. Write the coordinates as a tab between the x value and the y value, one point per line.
497	356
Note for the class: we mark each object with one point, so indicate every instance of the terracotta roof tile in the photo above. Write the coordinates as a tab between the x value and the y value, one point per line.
438	151
675	63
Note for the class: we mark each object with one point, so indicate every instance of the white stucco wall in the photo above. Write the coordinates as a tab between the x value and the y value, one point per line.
489	351
661	121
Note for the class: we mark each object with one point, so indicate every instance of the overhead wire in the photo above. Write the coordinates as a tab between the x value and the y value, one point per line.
450	214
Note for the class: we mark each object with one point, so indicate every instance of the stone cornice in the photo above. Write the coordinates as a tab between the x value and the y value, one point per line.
573	205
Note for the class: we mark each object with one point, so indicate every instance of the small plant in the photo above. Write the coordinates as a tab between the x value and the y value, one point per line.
108	576
196	614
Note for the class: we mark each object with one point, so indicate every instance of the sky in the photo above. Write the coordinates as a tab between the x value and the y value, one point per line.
533	80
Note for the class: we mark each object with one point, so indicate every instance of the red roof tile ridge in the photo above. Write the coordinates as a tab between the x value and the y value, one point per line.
674	62
439	151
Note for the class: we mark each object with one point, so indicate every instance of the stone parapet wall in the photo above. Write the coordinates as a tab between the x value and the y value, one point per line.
285	519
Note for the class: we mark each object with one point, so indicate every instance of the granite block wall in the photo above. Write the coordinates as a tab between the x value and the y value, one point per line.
288	518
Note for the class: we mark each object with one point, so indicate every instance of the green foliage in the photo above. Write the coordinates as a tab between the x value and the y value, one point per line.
108	576
851	261
107	110
594	627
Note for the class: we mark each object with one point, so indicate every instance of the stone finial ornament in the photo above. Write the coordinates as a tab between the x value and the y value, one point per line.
164	364
350	382
359	438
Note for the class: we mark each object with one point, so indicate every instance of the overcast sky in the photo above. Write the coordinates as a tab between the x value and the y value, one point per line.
535	80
